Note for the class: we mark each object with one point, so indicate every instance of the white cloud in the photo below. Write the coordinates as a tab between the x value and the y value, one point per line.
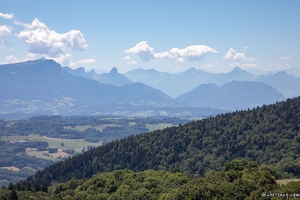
42	40
285	57
210	65
5	30
129	61
190	53
36	24
4	43
13	59
62	59
163	55
233	55
83	62
126	58
244	65
132	62
66	60
31	55
143	51
7	16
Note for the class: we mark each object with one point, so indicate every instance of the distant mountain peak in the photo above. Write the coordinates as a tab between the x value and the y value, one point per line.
282	73
114	70
192	69
237	69
42	58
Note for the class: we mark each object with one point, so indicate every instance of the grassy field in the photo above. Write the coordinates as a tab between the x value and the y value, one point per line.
76	144
153	127
83	128
12	168
286	181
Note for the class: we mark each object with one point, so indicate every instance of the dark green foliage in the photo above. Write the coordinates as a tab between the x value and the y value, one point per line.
268	135
239	179
52	150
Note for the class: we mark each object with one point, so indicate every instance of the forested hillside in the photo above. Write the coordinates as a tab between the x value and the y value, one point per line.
267	135
239	179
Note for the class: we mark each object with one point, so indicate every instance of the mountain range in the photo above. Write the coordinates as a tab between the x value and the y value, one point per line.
231	95
180	83
43	87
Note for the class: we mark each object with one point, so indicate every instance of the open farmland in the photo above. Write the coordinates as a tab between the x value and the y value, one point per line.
286	181
85	127
76	144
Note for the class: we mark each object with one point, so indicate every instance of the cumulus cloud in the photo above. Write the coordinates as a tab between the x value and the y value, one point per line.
126	58
63	59
7	16
42	40
233	55
190	53
129	61
163	55
13	59
5	30
31	55
143	51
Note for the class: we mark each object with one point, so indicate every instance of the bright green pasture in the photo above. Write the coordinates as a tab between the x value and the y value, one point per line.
158	126
286	181
84	127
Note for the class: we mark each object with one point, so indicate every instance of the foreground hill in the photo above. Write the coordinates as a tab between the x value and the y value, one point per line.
232	95
239	179
267	135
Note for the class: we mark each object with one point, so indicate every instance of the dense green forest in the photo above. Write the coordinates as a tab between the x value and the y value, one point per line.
239	179
268	135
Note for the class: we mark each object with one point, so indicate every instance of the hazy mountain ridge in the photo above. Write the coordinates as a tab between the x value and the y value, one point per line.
42	87
287	84
232	95
180	83
111	78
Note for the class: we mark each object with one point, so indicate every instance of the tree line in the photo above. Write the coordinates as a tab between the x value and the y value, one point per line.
238	179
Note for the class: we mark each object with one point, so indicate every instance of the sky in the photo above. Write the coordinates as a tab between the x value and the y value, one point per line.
170	36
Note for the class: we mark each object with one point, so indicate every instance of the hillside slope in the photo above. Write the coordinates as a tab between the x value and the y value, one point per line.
239	179
267	135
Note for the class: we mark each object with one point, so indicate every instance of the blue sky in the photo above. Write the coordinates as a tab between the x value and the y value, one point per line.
165	35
